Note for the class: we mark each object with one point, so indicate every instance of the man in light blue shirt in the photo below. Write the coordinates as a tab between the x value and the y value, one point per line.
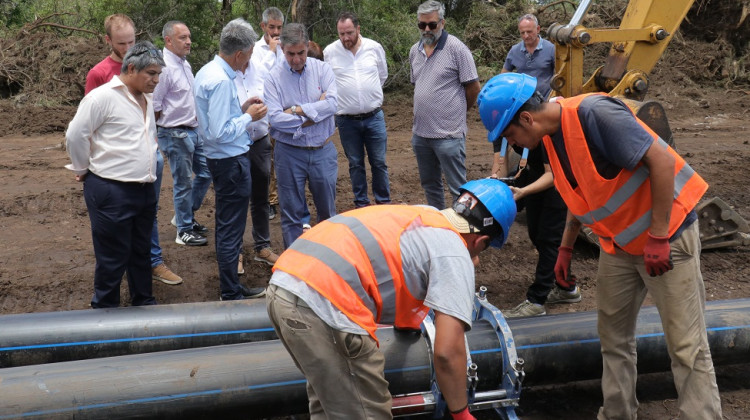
301	98
223	123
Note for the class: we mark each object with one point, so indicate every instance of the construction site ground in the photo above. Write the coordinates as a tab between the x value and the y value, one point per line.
48	261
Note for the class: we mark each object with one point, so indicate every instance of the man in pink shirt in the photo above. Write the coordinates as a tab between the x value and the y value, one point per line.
120	37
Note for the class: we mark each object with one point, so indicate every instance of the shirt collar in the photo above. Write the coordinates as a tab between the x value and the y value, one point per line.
170	56
440	44
226	67
539	45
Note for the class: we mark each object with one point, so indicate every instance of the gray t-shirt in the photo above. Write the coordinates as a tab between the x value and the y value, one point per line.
437	268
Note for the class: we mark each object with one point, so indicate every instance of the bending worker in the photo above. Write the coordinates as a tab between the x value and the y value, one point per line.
384	265
638	195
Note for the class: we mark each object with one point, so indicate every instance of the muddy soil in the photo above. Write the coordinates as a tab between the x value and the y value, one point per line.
48	261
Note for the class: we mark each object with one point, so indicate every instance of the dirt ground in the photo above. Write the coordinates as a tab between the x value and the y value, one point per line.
48	261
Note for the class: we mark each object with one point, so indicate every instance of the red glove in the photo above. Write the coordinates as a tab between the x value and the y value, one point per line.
463	415
657	255
562	266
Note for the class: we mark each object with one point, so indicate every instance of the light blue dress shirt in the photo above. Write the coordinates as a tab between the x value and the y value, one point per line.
285	88
221	122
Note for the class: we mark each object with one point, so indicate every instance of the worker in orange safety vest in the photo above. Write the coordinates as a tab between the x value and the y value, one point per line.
386	264
638	195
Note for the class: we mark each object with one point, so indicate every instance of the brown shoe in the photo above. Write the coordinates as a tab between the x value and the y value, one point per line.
267	256
240	265
162	273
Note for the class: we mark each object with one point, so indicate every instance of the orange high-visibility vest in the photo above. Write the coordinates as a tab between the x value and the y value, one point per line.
354	260
618	210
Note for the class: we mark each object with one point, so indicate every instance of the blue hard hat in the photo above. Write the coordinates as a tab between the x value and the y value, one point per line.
498	200
500	99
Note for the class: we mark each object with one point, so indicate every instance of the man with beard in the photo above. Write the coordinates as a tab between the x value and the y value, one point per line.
112	148
360	68
266	53
446	85
120	36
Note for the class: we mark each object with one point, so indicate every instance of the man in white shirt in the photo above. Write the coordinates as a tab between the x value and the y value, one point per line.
112	146
266	53
360	68
249	82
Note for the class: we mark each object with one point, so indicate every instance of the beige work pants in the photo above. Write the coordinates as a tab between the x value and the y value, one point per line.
679	295
344	372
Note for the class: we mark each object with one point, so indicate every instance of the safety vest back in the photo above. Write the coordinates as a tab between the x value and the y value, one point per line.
618	210
354	260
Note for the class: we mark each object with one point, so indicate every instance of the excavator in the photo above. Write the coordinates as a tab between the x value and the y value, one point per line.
636	45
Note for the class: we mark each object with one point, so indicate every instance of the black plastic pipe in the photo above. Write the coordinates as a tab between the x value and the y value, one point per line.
46	337
259	379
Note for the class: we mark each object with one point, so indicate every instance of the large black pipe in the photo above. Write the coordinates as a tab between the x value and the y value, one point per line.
259	379
38	338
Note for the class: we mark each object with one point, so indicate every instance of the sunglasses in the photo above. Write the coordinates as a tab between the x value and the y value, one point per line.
423	25
151	51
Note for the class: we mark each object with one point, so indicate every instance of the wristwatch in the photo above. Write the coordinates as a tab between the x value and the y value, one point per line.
294	109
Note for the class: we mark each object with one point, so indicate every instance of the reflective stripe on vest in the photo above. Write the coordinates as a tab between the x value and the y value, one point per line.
354	261
624	214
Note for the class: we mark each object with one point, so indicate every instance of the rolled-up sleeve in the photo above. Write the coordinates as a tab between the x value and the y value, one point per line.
326	108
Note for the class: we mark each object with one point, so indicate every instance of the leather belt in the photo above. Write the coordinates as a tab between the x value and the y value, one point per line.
179	127
360	117
289	296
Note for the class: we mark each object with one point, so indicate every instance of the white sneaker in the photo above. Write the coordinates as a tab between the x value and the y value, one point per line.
559	295
525	308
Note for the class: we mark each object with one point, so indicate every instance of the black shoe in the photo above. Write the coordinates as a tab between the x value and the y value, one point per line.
252	292
190	238
272	212
199	228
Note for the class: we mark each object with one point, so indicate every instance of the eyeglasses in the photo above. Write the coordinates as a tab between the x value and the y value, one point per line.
423	25
153	52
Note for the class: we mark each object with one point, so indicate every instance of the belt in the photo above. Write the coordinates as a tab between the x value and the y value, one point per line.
128	183
360	117
310	147
179	127
288	296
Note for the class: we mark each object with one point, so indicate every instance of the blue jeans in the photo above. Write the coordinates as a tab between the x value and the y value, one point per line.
184	150
437	157
294	168
156	258
260	172
356	137
122	216
233	185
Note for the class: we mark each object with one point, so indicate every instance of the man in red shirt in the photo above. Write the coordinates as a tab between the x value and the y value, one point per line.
120	37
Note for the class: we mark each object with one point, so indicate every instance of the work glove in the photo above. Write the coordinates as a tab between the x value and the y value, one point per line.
463	415
562	266
657	255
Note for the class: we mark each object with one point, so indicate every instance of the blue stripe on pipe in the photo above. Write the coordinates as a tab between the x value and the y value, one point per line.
125	340
595	340
423	367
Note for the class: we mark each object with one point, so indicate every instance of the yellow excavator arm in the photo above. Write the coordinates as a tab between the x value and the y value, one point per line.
644	33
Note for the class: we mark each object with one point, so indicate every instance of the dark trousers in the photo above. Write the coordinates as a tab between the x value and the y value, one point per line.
545	219
122	217
232	184
260	171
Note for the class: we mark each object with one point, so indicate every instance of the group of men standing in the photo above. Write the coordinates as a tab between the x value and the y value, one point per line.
324	298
